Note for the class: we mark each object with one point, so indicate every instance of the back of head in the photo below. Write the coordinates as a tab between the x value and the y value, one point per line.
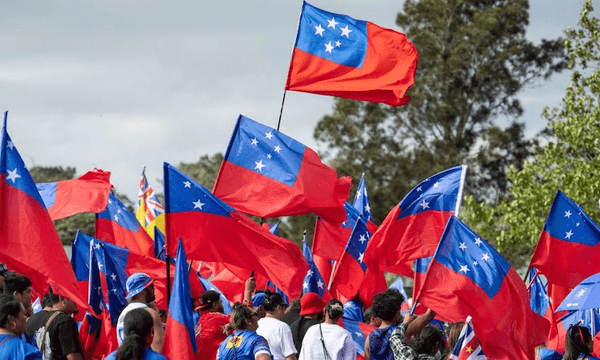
10	307
272	301
50	299
334	309
16	282
453	333
137	325
428	339
577	342
386	304
241	315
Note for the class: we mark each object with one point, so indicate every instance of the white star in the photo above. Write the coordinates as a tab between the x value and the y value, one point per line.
269	135
254	142
436	184
259	165
100	265
113	276
187	184
367	208
332	23
319	30
198	204
269	156
362	238
568	234
419	189
462	246
338	43
97	246
464	269
309	272
577	224
365	191
361	256
580	293
12	175
358	195
424	204
10	145
328	47
305	285
277	149
359	334
568	214
478	241
475	263
346	31
320	283
485	257
116	218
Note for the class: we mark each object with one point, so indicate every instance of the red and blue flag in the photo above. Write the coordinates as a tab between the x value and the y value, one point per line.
467	276
361	200
467	347
313	281
337	55
359	331
207	285
268	174
413	228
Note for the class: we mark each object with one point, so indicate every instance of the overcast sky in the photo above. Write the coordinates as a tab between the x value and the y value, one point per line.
119	84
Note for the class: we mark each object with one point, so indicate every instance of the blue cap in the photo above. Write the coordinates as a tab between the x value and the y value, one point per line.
136	283
258	299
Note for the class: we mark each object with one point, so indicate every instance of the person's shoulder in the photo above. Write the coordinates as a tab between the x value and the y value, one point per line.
150	354
111	356
14	346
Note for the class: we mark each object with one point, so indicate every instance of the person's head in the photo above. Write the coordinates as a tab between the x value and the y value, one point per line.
311	305
578	341
139	331
20	286
65	305
243	318
334	310
429	341
210	301
453	333
258	300
370	317
49	300
274	305
140	287
12	314
386	305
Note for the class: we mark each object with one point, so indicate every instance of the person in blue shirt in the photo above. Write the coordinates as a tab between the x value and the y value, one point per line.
579	344
138	325
12	324
244	343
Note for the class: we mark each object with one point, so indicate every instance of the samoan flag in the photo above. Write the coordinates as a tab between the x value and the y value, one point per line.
207	285
467	276
90	330
420	266
118	225
213	231
569	247
180	341
29	243
359	331
413	228
268	174
87	193
337	55
468	346
313	281
361	200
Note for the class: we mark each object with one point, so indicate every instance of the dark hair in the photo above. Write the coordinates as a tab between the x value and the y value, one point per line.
453	333
137	325
386	304
272	301
16	282
334	309
241	316
576	342
9	306
50	299
368	314
428	339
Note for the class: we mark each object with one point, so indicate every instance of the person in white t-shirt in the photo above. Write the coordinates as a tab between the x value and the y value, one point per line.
277	333
328	341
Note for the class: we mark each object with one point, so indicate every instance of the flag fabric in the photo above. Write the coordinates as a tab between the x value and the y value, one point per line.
277	290
337	55
569	246
207	285
87	193
180	340
359	331
149	209
313	281
413	228
468	346
118	225
91	326
467	276
159	245
420	266
213	231
268	174
540	303
361	200
29	243
324	265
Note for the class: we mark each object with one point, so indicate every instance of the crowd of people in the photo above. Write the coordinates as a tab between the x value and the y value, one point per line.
263	327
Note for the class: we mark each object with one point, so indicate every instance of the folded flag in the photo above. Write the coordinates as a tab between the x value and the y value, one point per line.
118	225
313	281
361	200
569	246
467	347
149	211
213	231
413	228
467	276
29	243
180	340
268	174
337	55
87	193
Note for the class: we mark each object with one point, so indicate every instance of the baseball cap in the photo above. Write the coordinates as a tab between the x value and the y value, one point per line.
311	303
208	298
258	299
136	283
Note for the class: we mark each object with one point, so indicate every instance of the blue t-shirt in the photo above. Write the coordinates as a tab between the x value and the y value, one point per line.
379	343
243	345
15	349
149	354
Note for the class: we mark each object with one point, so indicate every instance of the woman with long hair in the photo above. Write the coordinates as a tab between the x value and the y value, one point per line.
244	343
139	332
579	344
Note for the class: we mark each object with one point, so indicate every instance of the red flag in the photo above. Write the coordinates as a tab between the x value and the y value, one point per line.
213	231
340	56
29	243
87	193
267	173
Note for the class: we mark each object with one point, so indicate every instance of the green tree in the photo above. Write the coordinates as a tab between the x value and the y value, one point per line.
569	161
205	170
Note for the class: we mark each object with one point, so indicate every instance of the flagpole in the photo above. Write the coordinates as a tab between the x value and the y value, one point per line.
167	235
281	110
